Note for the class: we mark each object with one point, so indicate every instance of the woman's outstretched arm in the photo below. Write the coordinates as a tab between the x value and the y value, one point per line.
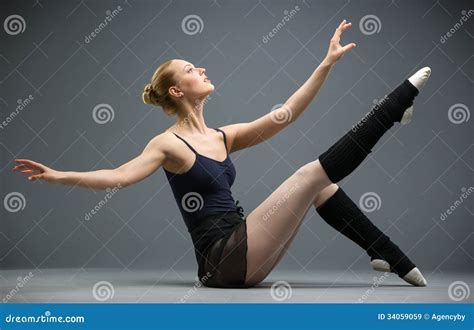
129	173
300	100
244	135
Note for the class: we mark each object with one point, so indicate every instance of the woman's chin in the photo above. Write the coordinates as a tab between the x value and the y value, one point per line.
211	89
206	93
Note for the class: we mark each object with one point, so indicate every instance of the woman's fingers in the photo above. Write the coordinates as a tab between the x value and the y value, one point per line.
19	167
35	171
348	47
344	27
341	28
30	164
27	162
22	167
337	33
341	24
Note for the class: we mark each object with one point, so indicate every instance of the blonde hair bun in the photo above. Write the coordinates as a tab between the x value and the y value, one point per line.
156	92
146	95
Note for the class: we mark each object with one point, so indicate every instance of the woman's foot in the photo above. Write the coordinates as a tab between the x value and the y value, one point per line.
414	276
418	80
420	77
380	265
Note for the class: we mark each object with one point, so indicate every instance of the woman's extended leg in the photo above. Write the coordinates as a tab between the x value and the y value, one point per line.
272	223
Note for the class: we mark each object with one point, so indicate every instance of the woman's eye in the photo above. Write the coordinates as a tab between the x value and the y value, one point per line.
191	69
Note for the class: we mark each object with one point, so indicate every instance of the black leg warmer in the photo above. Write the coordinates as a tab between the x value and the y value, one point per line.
351	149
341	213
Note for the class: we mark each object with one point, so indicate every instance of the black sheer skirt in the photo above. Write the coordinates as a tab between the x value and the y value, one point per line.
220	244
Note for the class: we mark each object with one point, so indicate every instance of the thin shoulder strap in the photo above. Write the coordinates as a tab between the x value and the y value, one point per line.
190	147
225	140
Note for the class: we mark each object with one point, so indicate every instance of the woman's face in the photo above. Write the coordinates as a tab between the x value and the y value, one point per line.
192	81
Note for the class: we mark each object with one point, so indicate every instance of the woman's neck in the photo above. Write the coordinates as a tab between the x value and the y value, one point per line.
191	118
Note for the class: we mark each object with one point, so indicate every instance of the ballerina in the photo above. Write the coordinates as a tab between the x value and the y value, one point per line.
234	250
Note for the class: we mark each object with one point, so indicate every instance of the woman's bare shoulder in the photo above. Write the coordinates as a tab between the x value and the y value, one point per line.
168	144
164	141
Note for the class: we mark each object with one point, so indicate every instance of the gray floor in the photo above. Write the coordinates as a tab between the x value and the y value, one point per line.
76	285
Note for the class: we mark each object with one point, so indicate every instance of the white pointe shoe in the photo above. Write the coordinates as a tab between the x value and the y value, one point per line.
414	276
418	80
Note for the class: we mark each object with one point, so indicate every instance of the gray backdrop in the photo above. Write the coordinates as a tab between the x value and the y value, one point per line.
414	176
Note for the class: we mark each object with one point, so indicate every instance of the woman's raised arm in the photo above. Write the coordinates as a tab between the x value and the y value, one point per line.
305	94
244	135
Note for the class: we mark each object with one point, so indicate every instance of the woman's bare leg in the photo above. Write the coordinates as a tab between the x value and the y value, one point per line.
323	196
272	223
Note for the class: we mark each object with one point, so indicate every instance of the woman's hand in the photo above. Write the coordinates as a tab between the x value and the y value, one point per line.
336	51
38	171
